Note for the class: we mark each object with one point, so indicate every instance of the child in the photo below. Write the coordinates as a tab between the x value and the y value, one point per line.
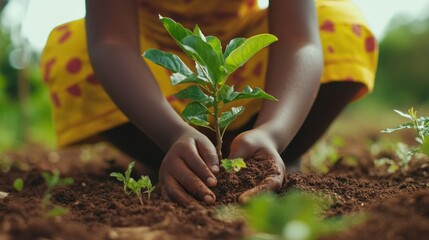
101	86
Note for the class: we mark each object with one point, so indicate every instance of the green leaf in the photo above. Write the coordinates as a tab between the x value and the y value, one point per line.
216	45
227	117
195	113
198	33
18	184
57	211
203	53
241	54
118	176
400	127
177	78
176	30
227	94
232	45
65	182
233	165
195	94
403	114
248	92
168	60
129	169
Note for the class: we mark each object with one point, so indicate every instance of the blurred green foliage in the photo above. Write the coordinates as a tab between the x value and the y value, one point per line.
403	70
39	124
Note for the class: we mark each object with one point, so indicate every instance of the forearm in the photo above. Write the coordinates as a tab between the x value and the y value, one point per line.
131	85
294	69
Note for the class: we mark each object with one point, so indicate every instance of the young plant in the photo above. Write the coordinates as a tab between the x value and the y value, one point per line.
18	184
420	124
133	186
54	181
296	216
233	165
208	93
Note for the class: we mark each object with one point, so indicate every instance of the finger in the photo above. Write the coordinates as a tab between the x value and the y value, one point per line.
193	184
176	193
198	166
272	183
208	153
164	193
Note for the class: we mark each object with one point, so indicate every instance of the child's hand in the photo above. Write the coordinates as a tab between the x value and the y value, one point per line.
255	143
188	168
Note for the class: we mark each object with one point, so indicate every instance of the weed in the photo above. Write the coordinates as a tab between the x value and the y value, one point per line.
18	184
54	181
209	94
133	186
296	216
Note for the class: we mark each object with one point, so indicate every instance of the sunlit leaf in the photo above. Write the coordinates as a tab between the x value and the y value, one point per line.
177	78
402	126
232	45
216	45
251	46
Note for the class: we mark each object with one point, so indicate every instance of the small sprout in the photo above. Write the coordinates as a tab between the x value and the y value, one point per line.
296	216
124	178
18	184
133	186
57	211
233	165
419	124
53	181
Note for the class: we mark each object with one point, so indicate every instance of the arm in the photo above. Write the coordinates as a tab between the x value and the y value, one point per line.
293	75
114	49
294	70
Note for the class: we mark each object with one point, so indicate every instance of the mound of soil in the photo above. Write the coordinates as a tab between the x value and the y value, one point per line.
397	205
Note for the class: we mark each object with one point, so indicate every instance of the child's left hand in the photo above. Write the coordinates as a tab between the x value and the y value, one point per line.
256	143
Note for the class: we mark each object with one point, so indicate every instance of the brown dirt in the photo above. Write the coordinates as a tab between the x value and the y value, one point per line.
397	205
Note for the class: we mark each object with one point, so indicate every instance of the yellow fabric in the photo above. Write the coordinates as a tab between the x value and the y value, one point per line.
81	108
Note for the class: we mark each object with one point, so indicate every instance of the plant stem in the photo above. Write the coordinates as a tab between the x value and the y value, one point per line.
216	125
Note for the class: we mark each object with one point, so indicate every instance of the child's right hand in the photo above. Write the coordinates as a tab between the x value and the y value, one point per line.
187	169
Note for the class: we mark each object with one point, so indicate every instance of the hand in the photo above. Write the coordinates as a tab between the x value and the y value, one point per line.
257	144
187	170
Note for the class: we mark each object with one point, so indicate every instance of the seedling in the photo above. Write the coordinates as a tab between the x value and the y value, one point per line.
133	186
54	181
233	165
325	155
18	184
296	216
208	93
420	124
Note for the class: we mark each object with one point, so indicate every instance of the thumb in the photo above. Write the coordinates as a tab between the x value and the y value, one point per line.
241	147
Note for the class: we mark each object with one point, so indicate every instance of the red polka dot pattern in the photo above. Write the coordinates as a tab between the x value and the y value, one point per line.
257	70
357	30
55	100
328	26
370	44
48	67
64	37
251	4
74	90
91	79
171	98
237	76
63	27
74	65
331	49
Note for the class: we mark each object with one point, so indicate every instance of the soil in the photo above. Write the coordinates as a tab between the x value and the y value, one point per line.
396	205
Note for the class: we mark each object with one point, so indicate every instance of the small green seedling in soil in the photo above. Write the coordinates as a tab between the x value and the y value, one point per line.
133	186
208	93
18	184
296	216
54	181
324	155
233	165
420	124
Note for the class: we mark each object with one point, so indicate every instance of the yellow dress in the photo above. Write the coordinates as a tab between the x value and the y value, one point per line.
81	108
